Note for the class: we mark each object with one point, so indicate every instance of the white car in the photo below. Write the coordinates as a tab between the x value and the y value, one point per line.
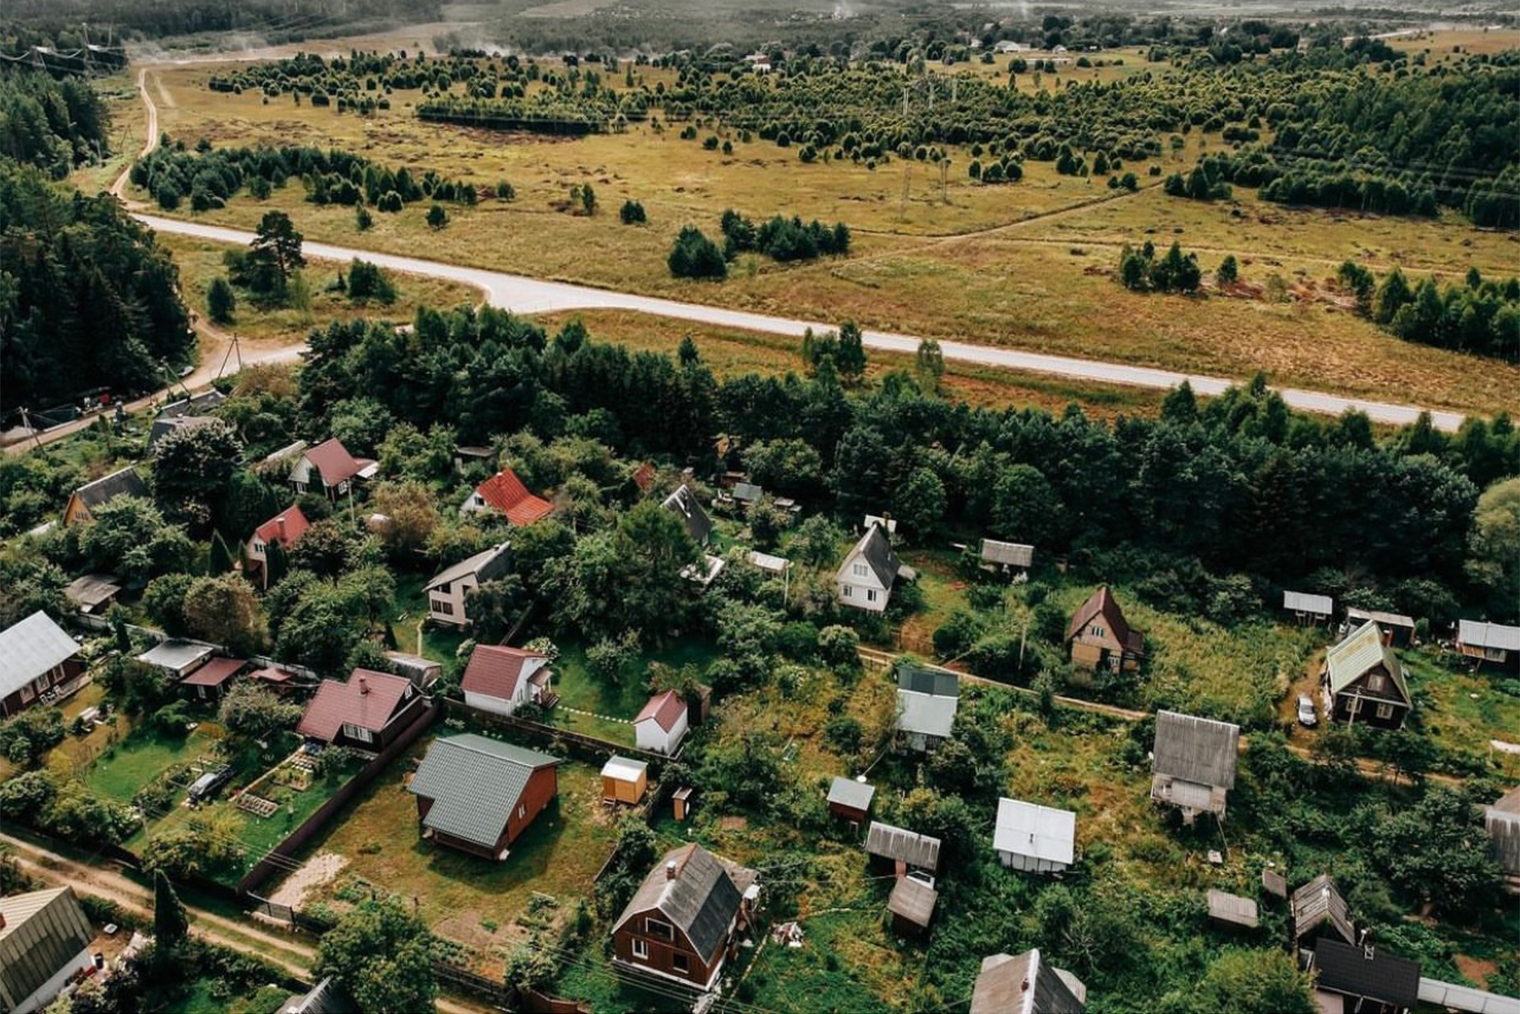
1306	713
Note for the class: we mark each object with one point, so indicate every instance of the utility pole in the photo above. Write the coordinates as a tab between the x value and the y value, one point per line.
233	348
902	211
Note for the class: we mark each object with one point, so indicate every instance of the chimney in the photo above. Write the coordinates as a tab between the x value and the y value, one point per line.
279	523
670	870
363	685
1024	986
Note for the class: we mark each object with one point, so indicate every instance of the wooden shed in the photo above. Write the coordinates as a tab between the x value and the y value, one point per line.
624	780
1232	910
912	905
850	800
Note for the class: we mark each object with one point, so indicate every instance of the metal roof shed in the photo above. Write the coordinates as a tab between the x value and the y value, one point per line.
1039	839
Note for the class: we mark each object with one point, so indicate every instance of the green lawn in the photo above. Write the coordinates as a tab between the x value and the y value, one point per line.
592	696
144	754
1460	710
201	999
477	902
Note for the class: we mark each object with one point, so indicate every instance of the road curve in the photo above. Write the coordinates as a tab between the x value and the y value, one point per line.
525	295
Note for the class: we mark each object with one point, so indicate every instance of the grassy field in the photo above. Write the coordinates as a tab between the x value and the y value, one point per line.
476	902
132	762
1026	265
1462	711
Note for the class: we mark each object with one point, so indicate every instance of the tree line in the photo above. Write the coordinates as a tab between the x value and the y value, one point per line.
55	124
1478	315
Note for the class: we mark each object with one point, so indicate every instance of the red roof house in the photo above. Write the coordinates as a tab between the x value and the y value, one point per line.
209	682
506	493
499	679
366	712
1100	637
285	528
661	726
335	469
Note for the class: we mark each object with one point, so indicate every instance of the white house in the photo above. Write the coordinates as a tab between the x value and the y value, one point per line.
661	726
927	700
1039	839
446	592
44	942
501	679
864	580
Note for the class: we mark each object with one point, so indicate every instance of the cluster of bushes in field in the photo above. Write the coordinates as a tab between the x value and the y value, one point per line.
209	177
694	255
1478	315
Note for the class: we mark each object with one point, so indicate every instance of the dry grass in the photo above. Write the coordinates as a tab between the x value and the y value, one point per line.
1028	269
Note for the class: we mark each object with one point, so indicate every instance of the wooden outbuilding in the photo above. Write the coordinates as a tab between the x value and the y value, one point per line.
850	800
1232	910
911	905
624	780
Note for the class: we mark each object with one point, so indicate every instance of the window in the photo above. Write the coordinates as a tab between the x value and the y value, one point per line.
1376	682
522	811
656	928
359	733
480	501
679	963
859	570
640	949
1385	710
1354	705
1096	631
848	592
446	608
443	589
870	594
27	693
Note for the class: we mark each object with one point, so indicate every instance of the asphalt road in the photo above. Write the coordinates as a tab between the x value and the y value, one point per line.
525	295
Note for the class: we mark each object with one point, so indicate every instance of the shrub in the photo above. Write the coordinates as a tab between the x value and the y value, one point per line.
696	256
632	213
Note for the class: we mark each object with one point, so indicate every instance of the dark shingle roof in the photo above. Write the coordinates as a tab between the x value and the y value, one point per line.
684	503
877	551
928	681
125	482
701	899
1359	971
1196	749
475	783
1102	602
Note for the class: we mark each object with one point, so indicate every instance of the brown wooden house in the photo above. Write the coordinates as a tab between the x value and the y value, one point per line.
1364	682
1098	636
366	713
850	801
685	919
36	657
479	795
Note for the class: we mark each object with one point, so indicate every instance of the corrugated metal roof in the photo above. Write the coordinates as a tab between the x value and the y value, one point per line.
624	769
769	563
1303	602
1361	651
1024	984
926	714
486	563
30	648
1009	554
1504	830
907	846
91	590
475	783
849	792
1320	901
1196	749
1040	832
1386	619
44	932
1488	635
175	654
1464	998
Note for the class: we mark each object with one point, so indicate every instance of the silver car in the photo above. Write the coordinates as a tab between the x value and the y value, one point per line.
1306	713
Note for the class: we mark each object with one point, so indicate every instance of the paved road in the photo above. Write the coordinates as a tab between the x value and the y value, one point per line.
522	294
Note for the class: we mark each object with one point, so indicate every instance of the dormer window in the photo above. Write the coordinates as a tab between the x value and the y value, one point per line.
1376	682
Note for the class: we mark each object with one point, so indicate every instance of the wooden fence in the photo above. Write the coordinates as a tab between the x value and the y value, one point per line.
278	857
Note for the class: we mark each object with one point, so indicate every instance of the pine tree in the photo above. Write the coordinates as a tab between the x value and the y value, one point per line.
170	923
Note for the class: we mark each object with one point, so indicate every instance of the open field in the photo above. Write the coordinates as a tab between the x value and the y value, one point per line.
1026	265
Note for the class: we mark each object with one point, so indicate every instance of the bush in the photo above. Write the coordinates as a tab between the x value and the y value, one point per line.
25	738
366	281
437	218
632	213
696	256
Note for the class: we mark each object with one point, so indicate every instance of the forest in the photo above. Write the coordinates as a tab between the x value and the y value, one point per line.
276	19
54	124
87	298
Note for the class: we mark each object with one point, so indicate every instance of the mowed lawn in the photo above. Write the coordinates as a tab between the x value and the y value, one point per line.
596	707
460	895
144	754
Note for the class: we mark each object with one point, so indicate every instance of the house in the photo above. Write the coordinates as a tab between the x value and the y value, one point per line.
1193	765
499	679
704	572
624	780
123	482
1009	46
684	503
466	457
1232	909
905	849
927	700
447	592
326	997
164	425
1320	911
36	657
209	681
865	578
850	800
1397	629
328	468
44	942
685	918
661	725
1034	838
1363	979
1364	681
93	593
365	712
1025	984
1098	636
421	671
505	493
285	528
997	555
1503	823
1488	642
281	681
479	795
177	656
911	904
1308	608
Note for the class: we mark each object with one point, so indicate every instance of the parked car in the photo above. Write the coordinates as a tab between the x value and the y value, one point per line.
209	784
1306	713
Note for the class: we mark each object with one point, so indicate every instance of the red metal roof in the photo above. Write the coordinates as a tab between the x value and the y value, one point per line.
295	525
506	492
333	461
664	708
495	669
214	673
368	700
270	674
643	476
